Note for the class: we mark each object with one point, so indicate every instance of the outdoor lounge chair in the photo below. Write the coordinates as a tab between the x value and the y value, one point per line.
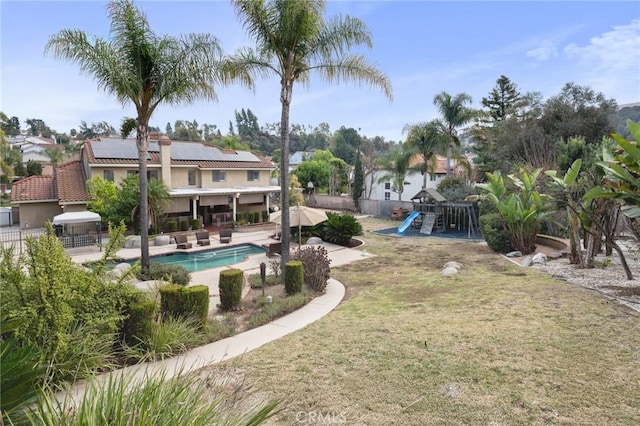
225	235
181	241
273	249
203	238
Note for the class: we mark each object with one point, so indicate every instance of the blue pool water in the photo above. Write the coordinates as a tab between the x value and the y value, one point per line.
207	259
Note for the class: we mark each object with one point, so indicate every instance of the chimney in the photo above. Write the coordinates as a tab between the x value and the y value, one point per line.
165	159
153	136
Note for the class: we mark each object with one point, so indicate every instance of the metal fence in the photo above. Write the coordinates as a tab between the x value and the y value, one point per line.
71	236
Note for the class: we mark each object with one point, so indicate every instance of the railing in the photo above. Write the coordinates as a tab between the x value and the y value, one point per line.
71	236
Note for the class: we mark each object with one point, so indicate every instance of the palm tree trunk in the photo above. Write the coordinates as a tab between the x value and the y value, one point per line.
142	142
285	98
449	159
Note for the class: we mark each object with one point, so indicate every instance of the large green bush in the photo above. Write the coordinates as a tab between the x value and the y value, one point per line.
494	233
71	314
230	287
455	189
340	228
293	277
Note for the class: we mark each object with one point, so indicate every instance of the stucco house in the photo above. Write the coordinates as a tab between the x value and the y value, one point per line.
204	181
384	191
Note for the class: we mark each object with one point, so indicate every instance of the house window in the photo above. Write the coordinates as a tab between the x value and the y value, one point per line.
192	177
253	175
108	175
432	177
387	185
219	176
152	174
387	196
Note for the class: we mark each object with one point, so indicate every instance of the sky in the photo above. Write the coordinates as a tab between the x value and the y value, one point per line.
424	47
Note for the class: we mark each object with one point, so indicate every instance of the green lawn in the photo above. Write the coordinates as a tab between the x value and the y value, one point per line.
504	345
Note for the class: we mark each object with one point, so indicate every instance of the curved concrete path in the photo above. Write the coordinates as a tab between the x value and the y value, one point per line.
230	347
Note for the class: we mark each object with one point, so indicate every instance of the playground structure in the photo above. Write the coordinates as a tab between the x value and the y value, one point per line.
433	213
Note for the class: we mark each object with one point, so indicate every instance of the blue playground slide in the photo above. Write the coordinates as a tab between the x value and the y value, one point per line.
407	222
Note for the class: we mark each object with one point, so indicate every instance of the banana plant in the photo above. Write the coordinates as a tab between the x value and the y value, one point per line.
522	211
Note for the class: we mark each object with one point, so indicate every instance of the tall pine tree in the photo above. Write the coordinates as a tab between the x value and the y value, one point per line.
503	99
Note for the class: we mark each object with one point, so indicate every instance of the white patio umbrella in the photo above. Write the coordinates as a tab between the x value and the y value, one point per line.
300	216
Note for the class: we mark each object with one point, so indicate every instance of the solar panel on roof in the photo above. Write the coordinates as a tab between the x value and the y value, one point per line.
201	152
116	149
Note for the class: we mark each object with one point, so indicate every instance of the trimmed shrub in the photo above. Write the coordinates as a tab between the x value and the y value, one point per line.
230	287
140	321
293	277
174	274
494	233
195	302
195	224
340	228
184	225
170	303
171	226
315	265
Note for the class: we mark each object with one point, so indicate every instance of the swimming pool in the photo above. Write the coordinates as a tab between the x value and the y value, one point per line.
207	259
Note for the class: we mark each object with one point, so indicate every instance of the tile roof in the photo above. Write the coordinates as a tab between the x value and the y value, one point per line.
441	163
33	188
70	182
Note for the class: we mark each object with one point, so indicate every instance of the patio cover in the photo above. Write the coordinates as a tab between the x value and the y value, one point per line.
76	217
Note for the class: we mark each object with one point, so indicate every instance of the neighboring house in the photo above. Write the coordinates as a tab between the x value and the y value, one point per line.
40	198
298	157
204	181
384	191
36	152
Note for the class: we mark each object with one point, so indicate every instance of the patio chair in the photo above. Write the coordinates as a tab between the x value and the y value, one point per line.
182	243
225	235
273	249
203	238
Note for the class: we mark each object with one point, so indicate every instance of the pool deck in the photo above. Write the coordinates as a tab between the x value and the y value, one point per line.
338	256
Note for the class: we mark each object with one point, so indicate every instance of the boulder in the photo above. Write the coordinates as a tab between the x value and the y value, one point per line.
449	271
514	254
528	261
161	240
456	265
314	240
122	267
539	259
132	241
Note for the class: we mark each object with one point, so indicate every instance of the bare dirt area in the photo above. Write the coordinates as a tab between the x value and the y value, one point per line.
607	278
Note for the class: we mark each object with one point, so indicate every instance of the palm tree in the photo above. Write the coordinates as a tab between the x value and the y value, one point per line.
137	66
55	156
429	140
292	39
454	115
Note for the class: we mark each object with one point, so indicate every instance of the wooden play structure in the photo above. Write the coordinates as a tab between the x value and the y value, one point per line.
433	213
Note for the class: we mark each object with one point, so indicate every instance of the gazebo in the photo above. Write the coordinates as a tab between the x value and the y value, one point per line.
78	229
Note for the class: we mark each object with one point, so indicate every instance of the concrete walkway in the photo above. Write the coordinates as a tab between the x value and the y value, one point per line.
244	342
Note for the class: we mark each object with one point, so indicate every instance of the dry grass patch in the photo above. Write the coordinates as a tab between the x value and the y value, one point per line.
504	345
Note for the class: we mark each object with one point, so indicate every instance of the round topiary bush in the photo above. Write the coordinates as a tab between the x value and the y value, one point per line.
492	228
230	287
293	277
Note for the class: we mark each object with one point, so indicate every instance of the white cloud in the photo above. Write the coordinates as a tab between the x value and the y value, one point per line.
543	53
611	61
